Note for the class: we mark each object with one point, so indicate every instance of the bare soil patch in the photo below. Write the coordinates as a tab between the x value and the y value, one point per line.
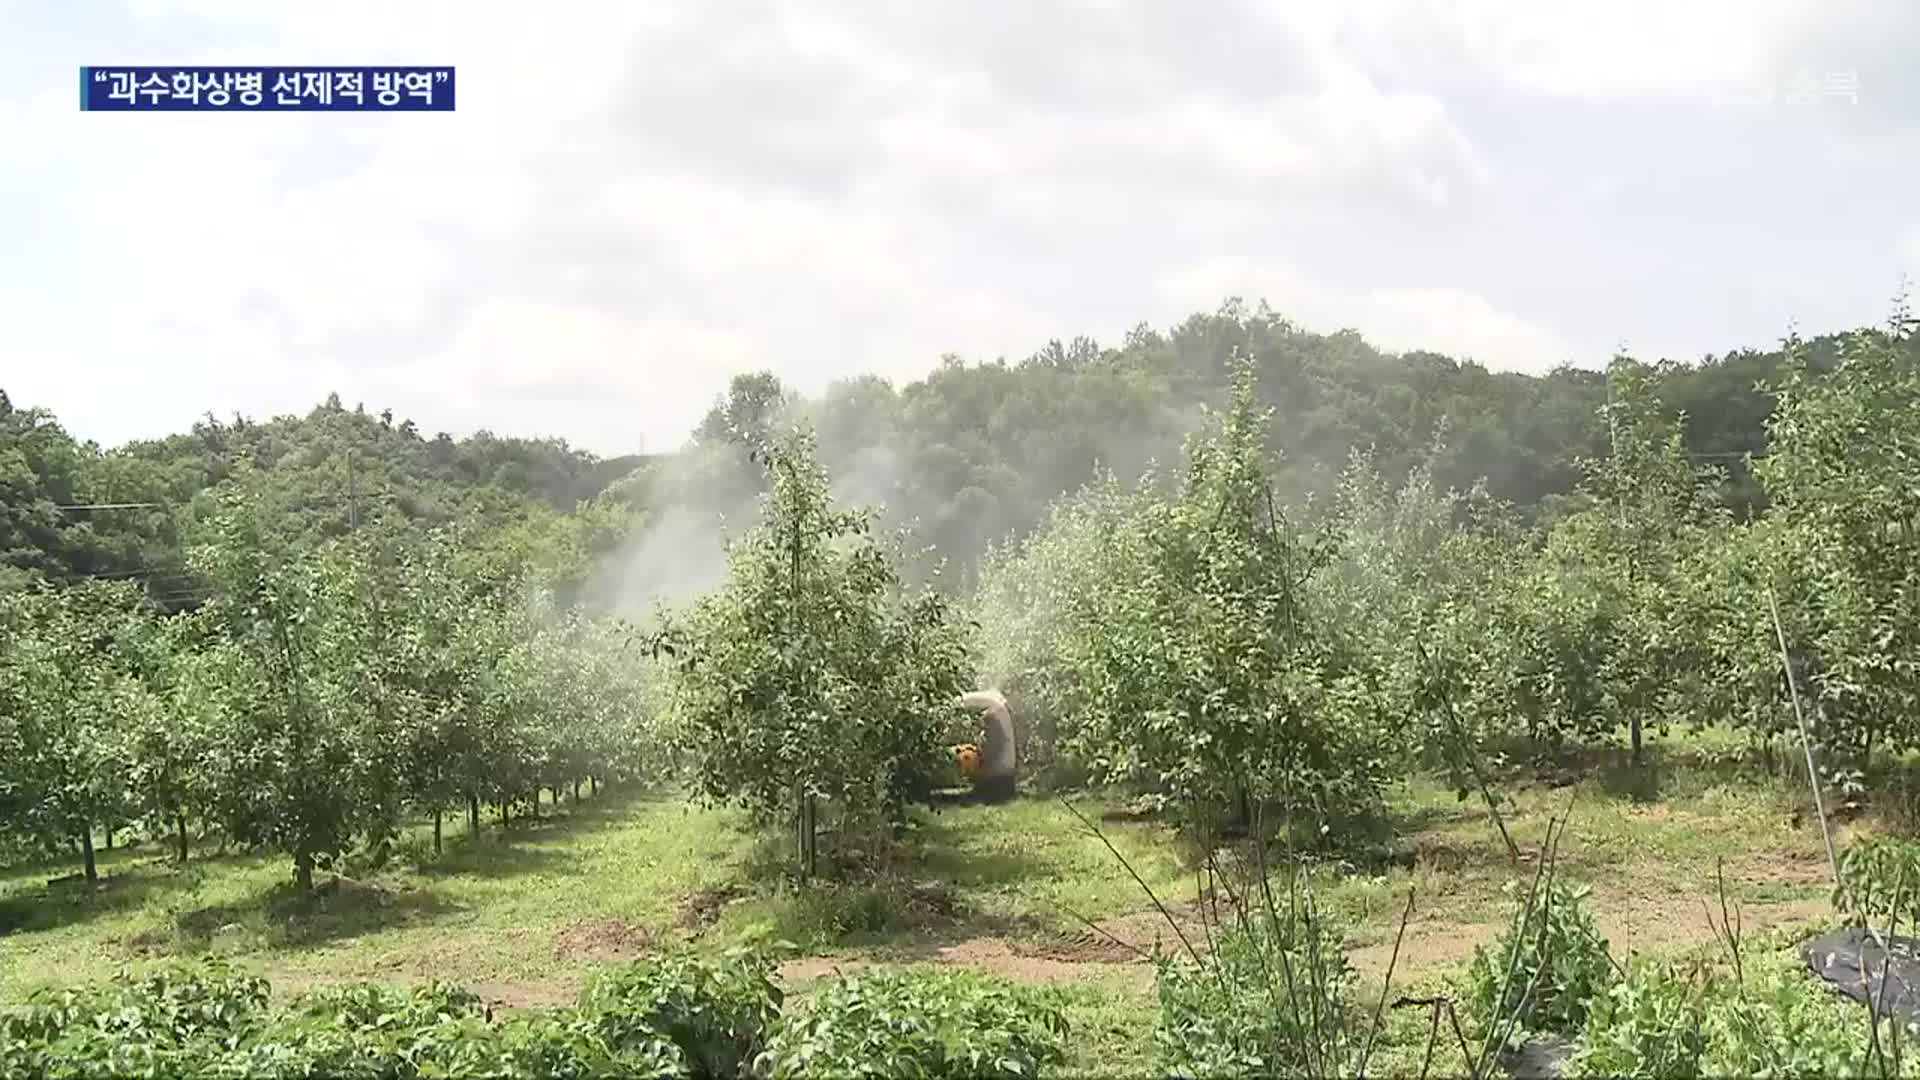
998	956
1116	946
990	955
929	905
1798	868
1134	937
521	995
498	995
152	941
346	892
1085	947
701	908
1661	925
603	939
1431	944
807	969
1630	922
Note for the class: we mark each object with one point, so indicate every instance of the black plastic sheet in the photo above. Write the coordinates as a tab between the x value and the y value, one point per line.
1852	961
1542	1057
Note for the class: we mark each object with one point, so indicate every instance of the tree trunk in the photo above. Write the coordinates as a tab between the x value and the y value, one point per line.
813	837
109	838
576	791
1635	726
473	815
436	833
86	852
180	823
536	804
806	836
303	871
506	816
593	785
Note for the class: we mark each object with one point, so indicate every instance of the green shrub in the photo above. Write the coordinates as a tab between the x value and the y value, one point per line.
569	1044
1271	995
1651	1023
373	1005
1553	948
717	1011
170	1006
210	1022
316	1045
168	1022
370	1030
922	1023
1666	1021
1785	1022
1876	873
550	1043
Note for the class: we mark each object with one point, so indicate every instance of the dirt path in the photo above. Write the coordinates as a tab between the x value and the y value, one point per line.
1116	948
501	994
1645	923
990	955
1635	912
1119	948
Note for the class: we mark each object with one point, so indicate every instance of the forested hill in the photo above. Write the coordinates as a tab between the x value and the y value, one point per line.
70	509
971	453
974	453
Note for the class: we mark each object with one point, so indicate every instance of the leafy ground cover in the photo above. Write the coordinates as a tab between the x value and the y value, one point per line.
524	917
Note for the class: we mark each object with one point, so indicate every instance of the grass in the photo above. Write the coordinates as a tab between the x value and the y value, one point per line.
488	909
1111	1027
537	906
525	915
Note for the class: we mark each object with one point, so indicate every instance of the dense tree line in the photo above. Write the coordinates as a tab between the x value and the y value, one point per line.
329	623
70	510
966	457
976	453
1202	640
314	701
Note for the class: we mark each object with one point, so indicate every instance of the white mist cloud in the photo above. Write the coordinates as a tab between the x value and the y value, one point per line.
679	555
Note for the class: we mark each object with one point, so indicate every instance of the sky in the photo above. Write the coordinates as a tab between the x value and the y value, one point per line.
634	201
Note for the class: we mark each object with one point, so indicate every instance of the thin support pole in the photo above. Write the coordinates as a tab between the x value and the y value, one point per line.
1806	738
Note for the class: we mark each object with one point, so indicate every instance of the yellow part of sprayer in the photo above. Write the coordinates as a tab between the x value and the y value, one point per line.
967	756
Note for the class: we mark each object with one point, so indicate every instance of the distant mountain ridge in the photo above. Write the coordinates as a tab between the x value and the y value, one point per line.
968	455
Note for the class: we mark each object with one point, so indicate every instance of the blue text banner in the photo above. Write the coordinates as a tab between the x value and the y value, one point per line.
266	89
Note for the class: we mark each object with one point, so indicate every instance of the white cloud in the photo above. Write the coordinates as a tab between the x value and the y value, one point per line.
635	201
546	356
1595	50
